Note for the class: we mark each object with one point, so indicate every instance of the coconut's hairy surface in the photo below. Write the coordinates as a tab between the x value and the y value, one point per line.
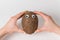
30	22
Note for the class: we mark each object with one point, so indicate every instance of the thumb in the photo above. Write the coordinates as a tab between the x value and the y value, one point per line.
20	31
40	29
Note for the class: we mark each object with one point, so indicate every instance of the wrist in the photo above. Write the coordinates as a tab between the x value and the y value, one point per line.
57	30
2	31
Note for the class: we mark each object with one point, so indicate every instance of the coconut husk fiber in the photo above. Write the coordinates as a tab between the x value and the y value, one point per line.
29	22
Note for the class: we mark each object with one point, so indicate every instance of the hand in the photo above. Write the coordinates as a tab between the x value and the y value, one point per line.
11	25
49	24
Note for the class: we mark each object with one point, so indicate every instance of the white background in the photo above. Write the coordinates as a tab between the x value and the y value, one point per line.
9	8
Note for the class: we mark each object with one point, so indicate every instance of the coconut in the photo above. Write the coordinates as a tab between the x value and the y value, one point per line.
29	22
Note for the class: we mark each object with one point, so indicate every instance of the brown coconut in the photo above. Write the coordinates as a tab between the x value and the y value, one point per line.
29	22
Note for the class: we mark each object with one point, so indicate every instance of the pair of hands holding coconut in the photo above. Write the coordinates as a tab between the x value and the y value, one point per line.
49	24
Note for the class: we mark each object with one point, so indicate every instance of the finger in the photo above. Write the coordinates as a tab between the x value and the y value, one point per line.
16	17
19	15
41	14
41	29
38	30
21	31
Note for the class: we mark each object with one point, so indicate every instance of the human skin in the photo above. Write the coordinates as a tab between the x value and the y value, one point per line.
11	26
49	24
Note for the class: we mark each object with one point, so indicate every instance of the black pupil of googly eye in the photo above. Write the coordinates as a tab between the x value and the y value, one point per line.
27	16
33	16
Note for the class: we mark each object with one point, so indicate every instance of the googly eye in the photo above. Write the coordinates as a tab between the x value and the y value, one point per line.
33	16
27	16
